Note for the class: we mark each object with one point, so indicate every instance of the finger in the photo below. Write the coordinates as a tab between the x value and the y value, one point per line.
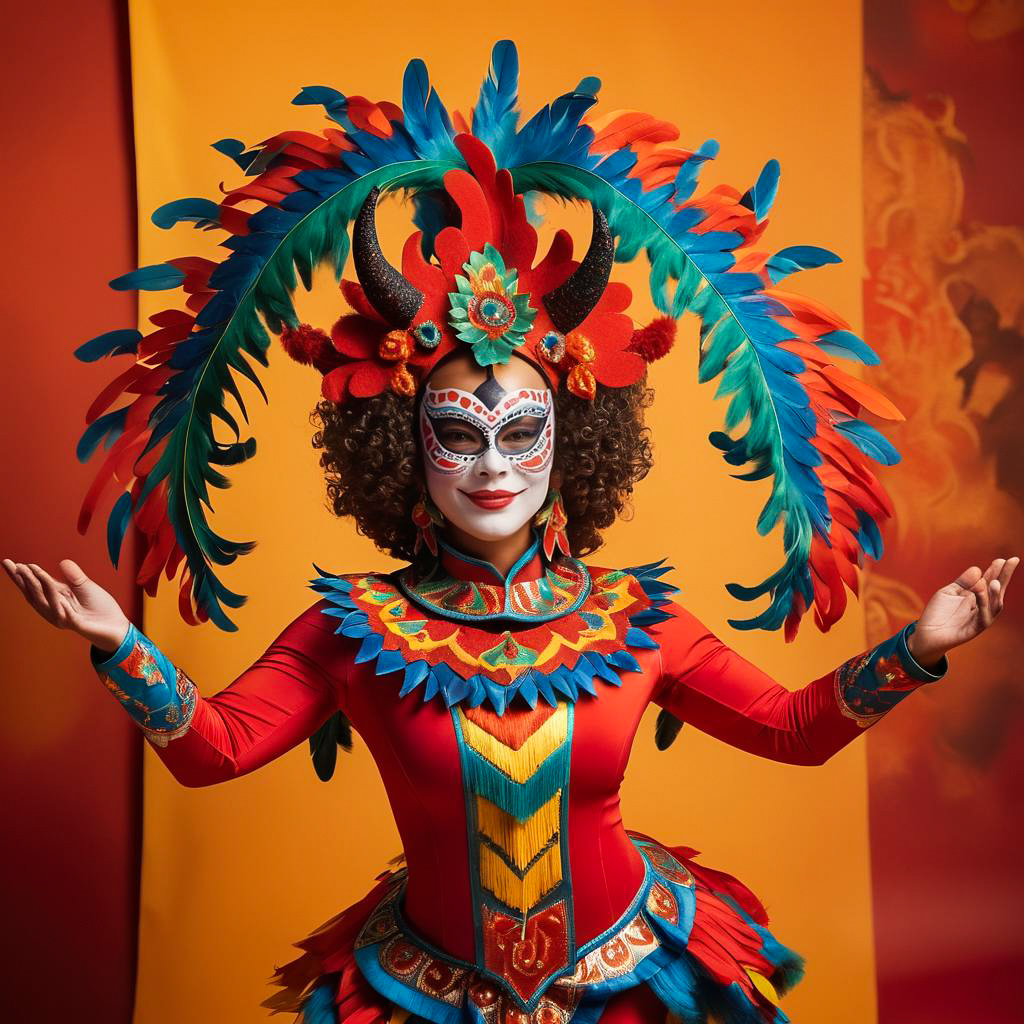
999	585
33	590
65	612
34	583
981	590
968	577
72	573
12	571
52	594
1007	571
992	572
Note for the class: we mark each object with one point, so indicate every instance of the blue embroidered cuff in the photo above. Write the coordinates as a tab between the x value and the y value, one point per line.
873	683
159	696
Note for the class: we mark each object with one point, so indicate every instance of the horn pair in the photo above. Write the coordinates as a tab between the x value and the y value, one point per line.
397	300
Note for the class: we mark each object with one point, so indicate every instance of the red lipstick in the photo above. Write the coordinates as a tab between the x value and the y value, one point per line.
491	499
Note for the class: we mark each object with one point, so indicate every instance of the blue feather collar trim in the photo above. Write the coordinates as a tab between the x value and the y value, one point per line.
454	661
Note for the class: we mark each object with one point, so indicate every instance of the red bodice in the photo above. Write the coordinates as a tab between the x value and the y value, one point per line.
309	672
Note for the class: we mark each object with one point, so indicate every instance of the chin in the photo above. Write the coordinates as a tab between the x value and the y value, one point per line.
497	524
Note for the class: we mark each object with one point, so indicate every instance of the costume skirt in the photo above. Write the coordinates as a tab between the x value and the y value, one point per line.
693	946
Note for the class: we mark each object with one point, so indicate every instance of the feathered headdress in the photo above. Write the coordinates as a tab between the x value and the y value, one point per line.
467	278
480	291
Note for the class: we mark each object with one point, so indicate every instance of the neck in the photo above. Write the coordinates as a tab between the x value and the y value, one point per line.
502	554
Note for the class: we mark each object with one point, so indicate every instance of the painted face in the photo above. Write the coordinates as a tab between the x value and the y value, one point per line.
488	455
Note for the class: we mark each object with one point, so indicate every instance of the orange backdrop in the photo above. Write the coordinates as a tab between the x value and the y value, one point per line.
232	874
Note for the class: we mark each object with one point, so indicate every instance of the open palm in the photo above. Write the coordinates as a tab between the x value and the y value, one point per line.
73	602
962	609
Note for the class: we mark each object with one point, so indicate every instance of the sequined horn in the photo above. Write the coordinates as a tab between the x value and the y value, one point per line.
571	302
388	291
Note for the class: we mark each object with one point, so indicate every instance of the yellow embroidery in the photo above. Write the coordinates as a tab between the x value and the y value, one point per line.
519	765
521	840
520	894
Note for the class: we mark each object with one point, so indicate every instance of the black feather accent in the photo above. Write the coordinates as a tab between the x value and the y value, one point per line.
323	744
666	730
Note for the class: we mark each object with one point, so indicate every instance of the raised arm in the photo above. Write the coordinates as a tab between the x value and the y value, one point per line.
280	700
710	686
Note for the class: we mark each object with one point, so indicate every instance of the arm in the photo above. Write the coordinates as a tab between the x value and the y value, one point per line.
709	685
277	702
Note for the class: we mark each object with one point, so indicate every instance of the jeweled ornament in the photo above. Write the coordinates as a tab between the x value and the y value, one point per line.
486	312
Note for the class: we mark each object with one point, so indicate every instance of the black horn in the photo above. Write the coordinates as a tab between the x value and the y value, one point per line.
388	291
571	303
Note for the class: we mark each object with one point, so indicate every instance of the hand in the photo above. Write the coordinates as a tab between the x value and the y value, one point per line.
960	611
75	602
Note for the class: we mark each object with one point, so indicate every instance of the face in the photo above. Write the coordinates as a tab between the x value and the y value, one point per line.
487	438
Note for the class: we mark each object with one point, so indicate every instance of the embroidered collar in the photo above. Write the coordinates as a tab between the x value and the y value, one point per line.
467	589
411	626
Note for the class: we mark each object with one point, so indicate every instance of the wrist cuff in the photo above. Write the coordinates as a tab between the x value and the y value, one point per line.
157	695
913	667
873	683
102	660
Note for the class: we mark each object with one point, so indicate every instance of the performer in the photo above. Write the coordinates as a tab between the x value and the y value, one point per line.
482	420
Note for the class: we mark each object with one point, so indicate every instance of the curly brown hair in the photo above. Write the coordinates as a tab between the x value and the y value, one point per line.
371	459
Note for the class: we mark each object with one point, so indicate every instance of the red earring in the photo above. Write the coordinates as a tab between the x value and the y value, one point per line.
554	520
426	516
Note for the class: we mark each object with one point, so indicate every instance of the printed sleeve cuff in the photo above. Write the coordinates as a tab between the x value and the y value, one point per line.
104	660
873	683
157	695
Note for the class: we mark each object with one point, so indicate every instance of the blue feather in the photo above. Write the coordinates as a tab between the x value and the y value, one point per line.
155	278
204	212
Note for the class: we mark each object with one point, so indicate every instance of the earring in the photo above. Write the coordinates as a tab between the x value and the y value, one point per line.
426	516
554	520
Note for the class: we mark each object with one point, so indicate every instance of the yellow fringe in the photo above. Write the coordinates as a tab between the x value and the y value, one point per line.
519	765
522	841
521	894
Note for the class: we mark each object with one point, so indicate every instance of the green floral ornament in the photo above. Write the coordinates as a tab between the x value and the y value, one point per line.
486	311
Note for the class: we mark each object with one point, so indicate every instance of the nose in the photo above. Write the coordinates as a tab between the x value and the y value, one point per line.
491	465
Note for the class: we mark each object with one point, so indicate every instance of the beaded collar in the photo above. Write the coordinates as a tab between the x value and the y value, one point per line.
458	586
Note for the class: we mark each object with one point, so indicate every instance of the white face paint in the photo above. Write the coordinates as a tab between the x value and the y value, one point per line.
487	469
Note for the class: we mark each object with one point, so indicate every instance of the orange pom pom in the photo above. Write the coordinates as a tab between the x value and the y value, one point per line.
395	347
403	382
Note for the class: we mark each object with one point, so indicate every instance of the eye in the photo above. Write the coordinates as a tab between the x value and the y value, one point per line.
458	437
521	434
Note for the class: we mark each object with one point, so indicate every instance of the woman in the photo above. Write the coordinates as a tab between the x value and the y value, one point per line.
483	419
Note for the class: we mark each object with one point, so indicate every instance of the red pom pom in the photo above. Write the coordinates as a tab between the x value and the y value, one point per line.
656	339
309	345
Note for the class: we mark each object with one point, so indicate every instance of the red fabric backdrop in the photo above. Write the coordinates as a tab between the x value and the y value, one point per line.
944	306
69	760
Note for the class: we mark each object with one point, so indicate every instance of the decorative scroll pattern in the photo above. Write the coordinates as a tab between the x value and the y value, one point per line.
873	683
423	980
158	695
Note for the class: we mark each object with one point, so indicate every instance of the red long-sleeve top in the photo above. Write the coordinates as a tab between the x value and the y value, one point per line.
310	671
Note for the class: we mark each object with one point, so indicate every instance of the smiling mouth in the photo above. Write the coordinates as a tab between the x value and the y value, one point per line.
491	499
